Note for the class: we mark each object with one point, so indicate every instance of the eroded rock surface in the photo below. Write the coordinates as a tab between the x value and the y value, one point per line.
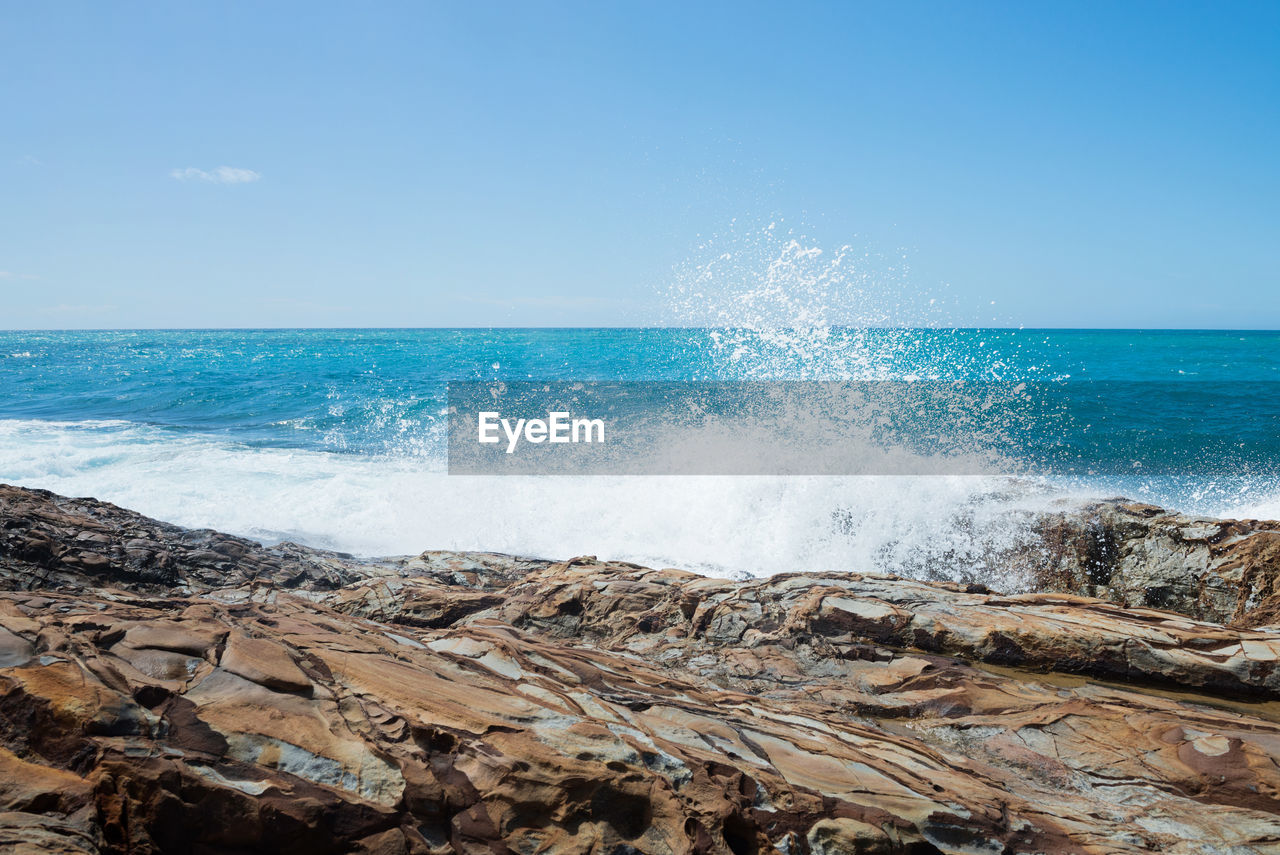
485	704
1226	571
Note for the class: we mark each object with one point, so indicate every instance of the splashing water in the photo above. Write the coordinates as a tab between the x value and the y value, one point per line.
780	307
334	437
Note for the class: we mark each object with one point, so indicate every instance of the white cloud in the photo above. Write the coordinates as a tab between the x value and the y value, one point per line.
221	175
9	274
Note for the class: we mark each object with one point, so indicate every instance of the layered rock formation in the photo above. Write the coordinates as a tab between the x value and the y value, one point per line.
1226	571
287	700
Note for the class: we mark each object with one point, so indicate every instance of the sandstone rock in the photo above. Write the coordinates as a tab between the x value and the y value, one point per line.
485	704
264	662
14	649
176	636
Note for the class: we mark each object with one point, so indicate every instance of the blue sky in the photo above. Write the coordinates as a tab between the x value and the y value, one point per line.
432	164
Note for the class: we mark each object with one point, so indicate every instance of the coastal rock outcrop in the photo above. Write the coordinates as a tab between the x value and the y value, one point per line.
51	541
1227	571
478	703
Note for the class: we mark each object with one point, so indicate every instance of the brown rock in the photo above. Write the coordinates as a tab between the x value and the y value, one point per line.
178	636
264	662
450	703
14	649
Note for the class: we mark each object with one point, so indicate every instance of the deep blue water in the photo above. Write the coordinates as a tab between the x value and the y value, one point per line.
361	390
183	423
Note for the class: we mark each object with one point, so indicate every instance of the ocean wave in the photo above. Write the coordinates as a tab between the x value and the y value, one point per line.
938	526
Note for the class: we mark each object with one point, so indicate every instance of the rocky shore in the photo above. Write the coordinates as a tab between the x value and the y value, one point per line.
166	690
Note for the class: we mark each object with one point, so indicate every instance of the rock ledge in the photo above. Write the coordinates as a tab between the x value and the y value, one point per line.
163	690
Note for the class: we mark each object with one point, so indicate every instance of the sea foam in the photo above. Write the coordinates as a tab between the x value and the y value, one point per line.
944	527
335	438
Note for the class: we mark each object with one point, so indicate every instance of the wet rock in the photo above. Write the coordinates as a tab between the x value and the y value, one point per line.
50	541
1226	571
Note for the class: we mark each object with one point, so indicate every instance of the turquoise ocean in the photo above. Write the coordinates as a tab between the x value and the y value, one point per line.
335	438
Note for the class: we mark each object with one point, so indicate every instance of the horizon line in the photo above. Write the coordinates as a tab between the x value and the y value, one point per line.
477	327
